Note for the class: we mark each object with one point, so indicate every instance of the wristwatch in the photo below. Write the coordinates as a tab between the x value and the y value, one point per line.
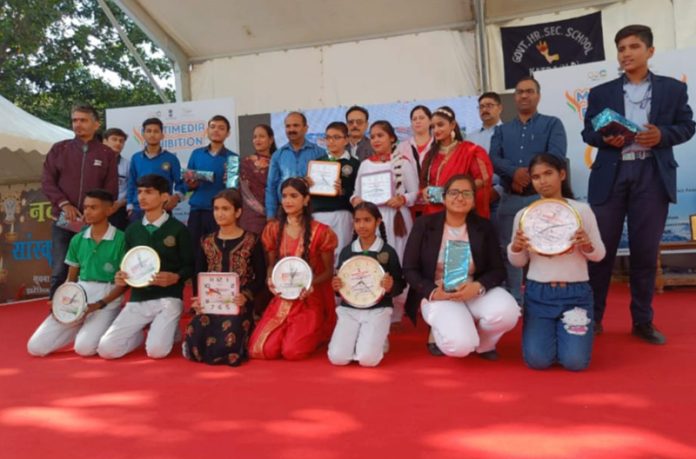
101	304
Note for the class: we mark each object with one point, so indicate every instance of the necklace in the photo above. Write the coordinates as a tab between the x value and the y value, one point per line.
447	149
642	102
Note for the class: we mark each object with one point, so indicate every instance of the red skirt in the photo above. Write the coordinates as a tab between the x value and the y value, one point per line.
293	329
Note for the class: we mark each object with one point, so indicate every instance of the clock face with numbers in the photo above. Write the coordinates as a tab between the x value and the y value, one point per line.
362	277
69	303
141	263
290	276
550	225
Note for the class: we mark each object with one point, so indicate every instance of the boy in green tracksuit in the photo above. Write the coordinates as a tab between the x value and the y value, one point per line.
160	302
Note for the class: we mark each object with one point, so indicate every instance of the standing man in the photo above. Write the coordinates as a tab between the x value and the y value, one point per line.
73	167
290	160
635	181
358	144
115	139
490	108
153	159
513	145
212	158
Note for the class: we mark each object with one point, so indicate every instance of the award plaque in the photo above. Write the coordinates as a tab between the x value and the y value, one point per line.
692	223
191	175
231	178
74	226
324	174
216	293
435	194
362	278
456	264
290	276
550	225
141	263
609	123
69	303
377	187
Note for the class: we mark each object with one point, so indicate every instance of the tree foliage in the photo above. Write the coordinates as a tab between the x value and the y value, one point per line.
57	52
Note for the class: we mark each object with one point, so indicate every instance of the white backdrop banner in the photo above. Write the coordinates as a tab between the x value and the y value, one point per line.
185	129
398	114
564	94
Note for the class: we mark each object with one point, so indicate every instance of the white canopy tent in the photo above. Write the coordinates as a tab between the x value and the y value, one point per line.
24	140
274	56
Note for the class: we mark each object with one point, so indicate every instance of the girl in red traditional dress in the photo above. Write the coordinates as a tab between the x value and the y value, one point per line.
451	155
293	329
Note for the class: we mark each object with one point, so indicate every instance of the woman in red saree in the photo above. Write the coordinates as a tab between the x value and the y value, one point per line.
451	155
293	329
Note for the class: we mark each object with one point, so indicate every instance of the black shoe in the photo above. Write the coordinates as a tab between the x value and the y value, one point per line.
490	355
598	328
648	332
434	350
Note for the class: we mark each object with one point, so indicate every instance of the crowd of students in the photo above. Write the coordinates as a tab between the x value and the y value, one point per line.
485	184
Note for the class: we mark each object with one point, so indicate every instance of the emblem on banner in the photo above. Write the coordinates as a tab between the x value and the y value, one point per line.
577	101
543	49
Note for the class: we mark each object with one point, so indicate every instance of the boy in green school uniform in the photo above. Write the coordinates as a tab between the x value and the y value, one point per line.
160	303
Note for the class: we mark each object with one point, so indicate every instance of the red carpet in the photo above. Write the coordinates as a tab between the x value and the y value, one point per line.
635	401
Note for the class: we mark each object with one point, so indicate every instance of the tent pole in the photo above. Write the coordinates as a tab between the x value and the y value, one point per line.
134	52
482	42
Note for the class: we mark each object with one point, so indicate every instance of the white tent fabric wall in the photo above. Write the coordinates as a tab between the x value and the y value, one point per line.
672	23
426	65
685	23
24	139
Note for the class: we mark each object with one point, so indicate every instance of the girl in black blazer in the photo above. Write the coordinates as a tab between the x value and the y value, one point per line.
478	312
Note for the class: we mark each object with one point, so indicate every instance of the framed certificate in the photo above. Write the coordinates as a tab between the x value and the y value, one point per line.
324	174
141	263
550	225
377	187
216	293
362	281
69	303
290	276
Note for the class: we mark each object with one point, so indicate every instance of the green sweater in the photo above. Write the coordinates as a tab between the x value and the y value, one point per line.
172	242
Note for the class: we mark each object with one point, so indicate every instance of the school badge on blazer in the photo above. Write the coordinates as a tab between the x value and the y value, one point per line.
346	170
383	257
166	166
169	241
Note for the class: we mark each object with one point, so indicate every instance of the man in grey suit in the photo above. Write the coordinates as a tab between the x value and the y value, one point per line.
357	120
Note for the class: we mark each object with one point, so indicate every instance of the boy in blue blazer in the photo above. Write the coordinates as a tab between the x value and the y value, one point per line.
635	181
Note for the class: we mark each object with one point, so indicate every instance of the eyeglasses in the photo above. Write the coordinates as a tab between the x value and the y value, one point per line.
334	138
466	194
483	106
356	122
520	92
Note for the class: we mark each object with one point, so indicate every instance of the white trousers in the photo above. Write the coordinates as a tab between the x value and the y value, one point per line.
477	325
341	223
53	335
126	333
359	335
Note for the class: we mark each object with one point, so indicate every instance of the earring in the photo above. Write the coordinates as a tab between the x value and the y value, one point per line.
452	135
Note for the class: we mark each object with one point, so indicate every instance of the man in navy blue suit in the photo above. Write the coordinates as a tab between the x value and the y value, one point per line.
635	181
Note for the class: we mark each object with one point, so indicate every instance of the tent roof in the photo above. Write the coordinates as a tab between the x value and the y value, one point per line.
21	131
209	29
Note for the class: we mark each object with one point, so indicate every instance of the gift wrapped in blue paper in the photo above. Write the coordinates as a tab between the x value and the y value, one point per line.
434	194
232	172
190	175
610	123
456	272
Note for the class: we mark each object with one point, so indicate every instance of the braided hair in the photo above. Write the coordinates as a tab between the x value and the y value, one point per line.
299	185
373	210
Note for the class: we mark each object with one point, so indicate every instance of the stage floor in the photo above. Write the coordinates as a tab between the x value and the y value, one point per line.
635	401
